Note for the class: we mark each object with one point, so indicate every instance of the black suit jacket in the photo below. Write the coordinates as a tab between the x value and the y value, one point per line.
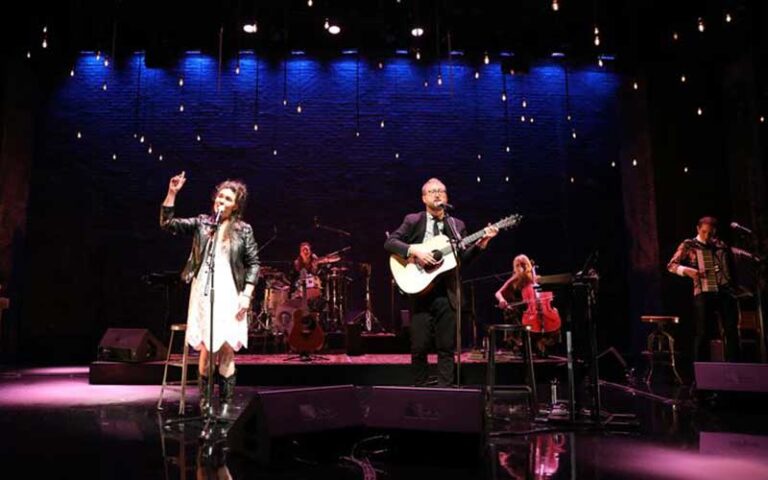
412	231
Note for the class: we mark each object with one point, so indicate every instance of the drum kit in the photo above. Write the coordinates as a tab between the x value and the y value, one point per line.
324	294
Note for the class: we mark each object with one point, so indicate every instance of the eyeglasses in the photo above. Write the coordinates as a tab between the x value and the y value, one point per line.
436	190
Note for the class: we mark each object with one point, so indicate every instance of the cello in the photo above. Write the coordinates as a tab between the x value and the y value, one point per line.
539	316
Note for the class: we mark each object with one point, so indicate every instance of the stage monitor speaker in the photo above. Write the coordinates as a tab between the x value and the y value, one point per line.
739	386
732	377
428	423
130	345
274	419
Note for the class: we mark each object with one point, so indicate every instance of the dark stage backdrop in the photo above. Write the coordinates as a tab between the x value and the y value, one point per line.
93	218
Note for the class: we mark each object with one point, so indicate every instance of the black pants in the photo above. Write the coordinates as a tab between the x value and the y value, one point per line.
707	309
433	318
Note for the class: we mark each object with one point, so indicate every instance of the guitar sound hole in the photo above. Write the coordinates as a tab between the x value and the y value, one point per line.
437	255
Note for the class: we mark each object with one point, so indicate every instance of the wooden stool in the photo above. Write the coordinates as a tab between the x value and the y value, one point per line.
176	327
656	341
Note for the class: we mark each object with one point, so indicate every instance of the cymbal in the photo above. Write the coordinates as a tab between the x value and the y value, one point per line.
270	272
328	259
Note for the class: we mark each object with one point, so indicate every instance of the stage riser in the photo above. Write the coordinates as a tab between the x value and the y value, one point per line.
114	373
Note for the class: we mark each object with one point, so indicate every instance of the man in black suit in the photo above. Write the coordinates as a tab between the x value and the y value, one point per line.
434	312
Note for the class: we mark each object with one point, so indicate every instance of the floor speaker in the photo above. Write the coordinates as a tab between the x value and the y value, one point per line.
130	345
275	421
428	424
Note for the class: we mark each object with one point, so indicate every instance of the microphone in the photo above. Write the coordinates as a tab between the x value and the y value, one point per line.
219	211
445	206
741	228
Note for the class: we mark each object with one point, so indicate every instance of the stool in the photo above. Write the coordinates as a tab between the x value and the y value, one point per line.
490	384
656	341
176	327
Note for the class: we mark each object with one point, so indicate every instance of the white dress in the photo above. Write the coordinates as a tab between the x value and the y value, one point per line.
226	327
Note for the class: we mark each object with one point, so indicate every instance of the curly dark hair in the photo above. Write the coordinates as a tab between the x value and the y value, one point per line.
241	195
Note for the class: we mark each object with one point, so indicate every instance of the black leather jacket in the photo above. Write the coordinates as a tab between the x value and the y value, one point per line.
243	257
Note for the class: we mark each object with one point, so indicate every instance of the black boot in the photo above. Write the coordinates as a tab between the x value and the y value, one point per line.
227	393
202	383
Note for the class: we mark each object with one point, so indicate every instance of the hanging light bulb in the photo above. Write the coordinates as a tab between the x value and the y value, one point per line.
634	162
79	135
250	28
573	180
503	96
701	24
29	54
381	65
149	150
439	79
285	102
327	24
160	157
357	133
418	55
486	59
106	62
568	117
255	127
675	36
298	108
274	152
555	5
141	139
334	29
181	107
181	81
762	119
573	134
477	75
597	41
309	3
98	55
531	120
72	73
199	138
524	103
635	86
104	86
727	18
45	43
699	111
397	155
682	78
597	30
478	179
417	31
114	156
685	169
506	179
599	62
522	118
45	29
381	124
479	156
613	164
237	70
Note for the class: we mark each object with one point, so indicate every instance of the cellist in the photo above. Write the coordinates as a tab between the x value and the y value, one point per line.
517	297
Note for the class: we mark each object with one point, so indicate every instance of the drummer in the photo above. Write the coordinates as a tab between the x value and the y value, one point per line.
305	267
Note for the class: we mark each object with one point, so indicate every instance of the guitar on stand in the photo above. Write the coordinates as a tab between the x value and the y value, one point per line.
413	278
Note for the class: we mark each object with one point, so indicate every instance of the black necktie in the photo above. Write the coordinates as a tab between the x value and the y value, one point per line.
435	228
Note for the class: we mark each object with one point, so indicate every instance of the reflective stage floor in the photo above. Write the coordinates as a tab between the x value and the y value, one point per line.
55	424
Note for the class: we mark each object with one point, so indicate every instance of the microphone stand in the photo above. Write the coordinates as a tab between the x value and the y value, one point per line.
331	229
210	290
457	273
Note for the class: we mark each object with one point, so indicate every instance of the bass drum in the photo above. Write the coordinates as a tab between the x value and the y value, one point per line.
282	322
